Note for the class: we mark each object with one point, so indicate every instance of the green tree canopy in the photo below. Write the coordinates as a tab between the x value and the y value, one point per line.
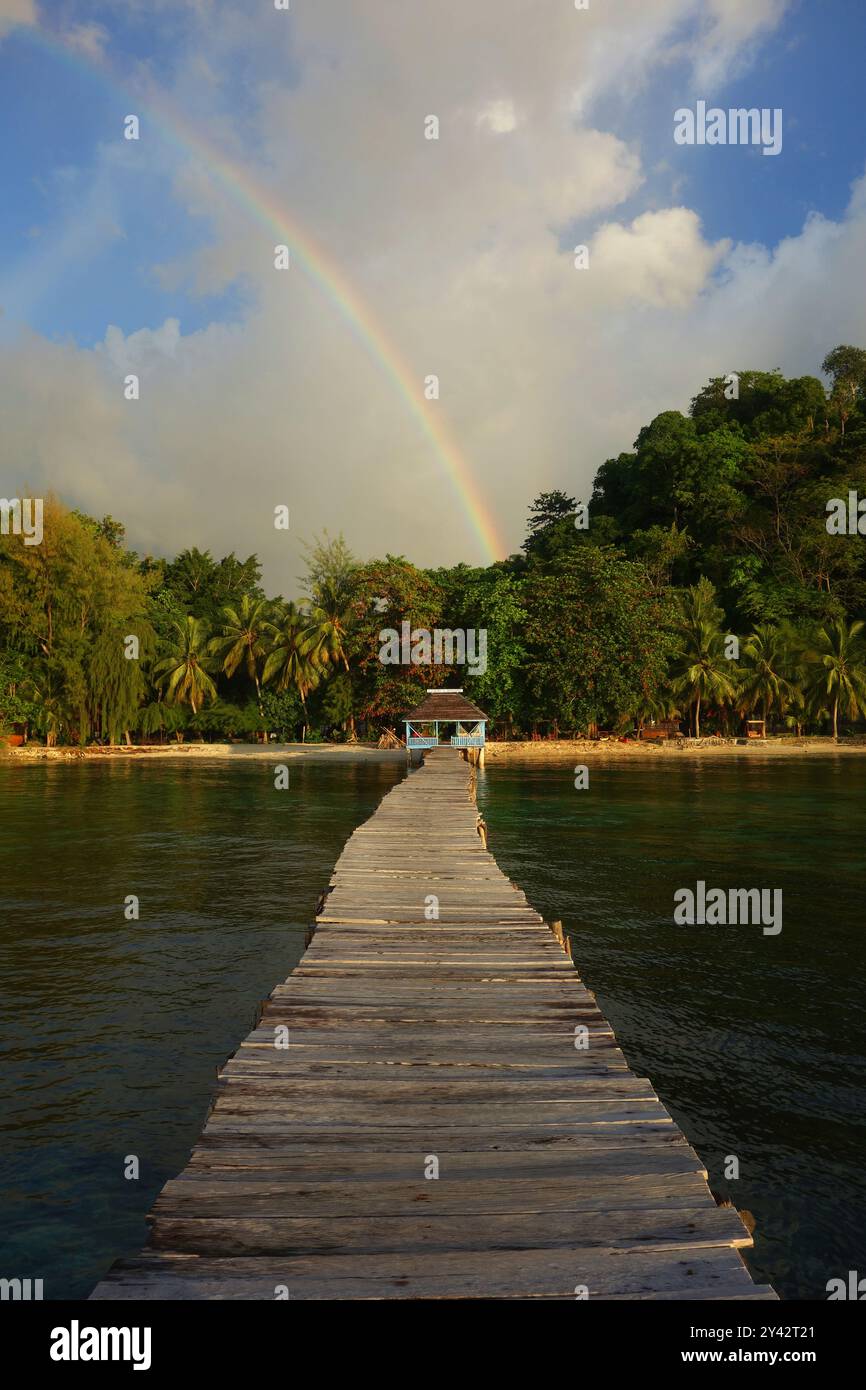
595	638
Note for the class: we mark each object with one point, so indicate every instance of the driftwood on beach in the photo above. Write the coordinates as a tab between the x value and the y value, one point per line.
390	739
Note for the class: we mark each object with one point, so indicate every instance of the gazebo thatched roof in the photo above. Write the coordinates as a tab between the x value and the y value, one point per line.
445	705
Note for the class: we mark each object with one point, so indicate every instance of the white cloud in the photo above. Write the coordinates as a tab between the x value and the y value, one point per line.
499	117
716	39
15	12
232	422
89	39
460	251
661	259
729	35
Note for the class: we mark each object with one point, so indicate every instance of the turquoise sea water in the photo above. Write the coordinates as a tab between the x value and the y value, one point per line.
756	1043
111	1030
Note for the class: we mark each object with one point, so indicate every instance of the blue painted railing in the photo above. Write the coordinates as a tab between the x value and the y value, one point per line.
413	741
467	741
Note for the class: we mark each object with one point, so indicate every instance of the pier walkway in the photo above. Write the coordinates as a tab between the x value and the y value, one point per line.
451	1116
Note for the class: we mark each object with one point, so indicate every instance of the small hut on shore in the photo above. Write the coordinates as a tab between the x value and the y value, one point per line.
446	708
659	732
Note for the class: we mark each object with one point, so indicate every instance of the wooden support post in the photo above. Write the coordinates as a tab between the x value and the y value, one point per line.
559	933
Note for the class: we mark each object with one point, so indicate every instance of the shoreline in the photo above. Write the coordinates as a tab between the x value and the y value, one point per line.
675	750
197	752
518	750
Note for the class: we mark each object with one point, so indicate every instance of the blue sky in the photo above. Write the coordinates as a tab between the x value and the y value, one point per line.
66	113
813	70
556	127
62	110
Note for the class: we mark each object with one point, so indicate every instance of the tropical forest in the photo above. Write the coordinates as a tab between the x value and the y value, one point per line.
700	584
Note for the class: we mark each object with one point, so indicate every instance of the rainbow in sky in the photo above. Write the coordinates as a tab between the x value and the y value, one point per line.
319	265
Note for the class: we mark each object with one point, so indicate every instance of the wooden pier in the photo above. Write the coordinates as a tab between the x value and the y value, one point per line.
451	1116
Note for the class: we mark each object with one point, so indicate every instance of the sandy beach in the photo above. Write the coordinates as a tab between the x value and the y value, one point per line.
197	752
516	751
675	749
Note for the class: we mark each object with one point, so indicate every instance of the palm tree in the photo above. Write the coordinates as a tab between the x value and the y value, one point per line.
804	704
767	676
290	660
836	661
328	630
699	669
243	639
158	717
185	672
653	709
44	691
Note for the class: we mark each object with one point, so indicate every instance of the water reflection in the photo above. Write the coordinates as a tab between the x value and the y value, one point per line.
757	1044
112	1029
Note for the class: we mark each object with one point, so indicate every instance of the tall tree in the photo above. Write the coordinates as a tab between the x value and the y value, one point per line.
203	586
387	593
836	661
548	509
329	583
243	640
767	681
328	633
847	367
489	601
69	603
595	638
331	567
118	687
700	671
290	663
186	672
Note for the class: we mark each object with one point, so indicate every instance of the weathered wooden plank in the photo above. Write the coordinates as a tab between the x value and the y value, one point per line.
521	1044
264	1157
437	1037
496	993
229	1196
316	1138
275	1092
431	1029
442	1006
559	1032
341	1069
236	1110
543	1273
452	970
273	1234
